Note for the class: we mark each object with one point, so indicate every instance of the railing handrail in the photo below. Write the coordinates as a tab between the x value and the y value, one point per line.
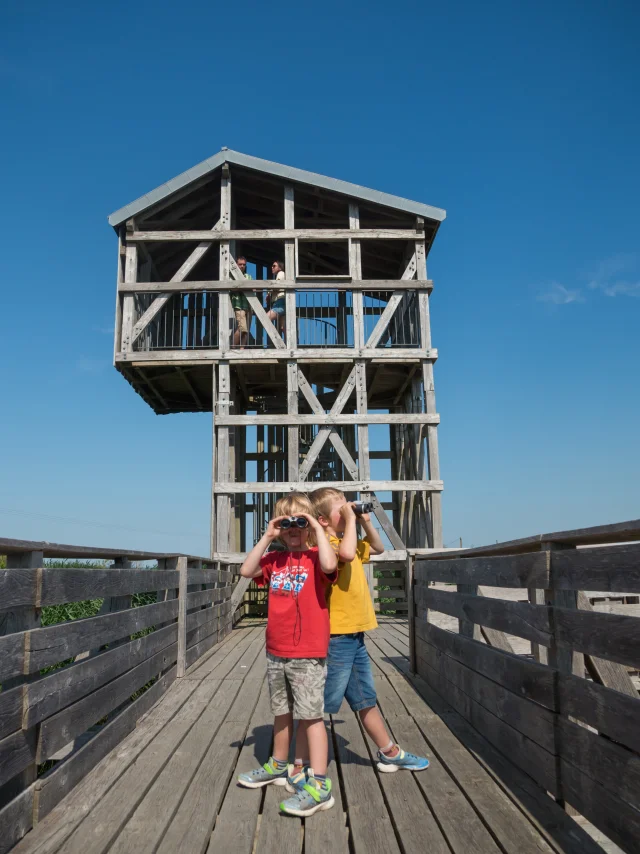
285	285
48	549
619	532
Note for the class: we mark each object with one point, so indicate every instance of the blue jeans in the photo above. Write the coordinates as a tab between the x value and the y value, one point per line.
348	674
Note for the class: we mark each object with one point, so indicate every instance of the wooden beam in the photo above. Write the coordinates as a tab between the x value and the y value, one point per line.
184	270
360	419
230	488
311	234
263	317
384	319
189	385
300	284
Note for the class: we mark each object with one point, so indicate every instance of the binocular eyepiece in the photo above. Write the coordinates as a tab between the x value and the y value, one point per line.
294	522
360	507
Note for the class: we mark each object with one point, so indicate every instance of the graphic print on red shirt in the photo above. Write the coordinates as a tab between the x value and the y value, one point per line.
298	618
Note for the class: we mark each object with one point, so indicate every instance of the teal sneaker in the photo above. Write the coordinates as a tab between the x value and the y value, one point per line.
263	776
310	798
406	761
295	782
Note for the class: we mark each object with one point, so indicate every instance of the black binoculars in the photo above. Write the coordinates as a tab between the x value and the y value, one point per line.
294	522
360	507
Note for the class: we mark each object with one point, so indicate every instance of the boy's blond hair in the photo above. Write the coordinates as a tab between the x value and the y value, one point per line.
322	499
296	502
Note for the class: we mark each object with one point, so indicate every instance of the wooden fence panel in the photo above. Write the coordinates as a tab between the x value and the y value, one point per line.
580	740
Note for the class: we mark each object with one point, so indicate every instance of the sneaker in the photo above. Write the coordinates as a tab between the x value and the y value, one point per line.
295	782
310	798
263	776
407	761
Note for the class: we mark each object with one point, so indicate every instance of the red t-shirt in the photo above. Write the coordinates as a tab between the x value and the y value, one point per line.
298	617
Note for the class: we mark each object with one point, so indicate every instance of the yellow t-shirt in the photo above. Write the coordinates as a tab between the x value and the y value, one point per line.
349	599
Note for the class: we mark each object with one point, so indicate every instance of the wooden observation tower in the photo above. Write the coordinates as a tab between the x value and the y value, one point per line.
341	393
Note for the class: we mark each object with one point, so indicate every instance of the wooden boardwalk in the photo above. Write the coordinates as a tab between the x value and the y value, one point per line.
170	786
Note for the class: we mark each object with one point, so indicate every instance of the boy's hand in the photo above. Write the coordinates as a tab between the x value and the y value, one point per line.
346	511
273	528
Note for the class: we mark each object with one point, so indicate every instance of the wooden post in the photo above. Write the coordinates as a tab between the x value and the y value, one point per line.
214	400
435	499
128	302
290	271
409	582
293	436
466	627
182	618
21	620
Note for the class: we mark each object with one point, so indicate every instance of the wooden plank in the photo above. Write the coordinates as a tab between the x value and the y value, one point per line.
286	285
230	834
605	672
17	588
327	831
198	598
17	751
206	576
51	833
10	711
304	355
63	687
523	570
602	760
461	825
532	720
515	618
609	636
344	485
145	830
313	234
615	568
619	821
362	418
206	666
525	753
16	819
73	585
63	727
560	831
612	713
371	828
517	674
118	804
52	788
55	643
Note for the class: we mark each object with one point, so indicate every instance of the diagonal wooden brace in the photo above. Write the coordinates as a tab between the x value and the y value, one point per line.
162	299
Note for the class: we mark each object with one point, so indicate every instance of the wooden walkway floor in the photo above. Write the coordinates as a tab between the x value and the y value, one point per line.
170	786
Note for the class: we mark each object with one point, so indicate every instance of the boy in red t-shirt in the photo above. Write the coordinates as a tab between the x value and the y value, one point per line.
297	642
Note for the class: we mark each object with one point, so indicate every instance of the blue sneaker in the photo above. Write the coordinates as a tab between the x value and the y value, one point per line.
407	761
263	776
310	798
295	782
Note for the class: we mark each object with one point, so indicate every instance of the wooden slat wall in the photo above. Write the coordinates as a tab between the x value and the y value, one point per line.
578	739
75	714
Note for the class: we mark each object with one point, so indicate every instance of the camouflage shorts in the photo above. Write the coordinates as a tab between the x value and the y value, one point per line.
297	685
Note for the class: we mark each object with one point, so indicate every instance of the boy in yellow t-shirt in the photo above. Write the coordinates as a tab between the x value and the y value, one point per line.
351	614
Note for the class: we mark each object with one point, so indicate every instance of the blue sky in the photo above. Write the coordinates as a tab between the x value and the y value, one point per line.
520	119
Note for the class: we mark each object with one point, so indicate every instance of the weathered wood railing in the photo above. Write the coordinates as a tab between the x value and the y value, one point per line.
73	690
577	737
